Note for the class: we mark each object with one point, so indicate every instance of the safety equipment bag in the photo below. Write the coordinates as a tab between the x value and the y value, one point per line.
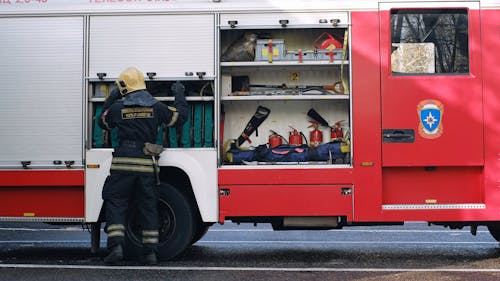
286	153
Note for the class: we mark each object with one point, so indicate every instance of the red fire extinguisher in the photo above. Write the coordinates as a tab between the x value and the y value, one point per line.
315	136
336	132
294	137
275	139
326	41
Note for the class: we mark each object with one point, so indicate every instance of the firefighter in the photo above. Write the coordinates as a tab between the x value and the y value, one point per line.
137	115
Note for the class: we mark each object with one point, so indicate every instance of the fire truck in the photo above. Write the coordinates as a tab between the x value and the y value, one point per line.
303	114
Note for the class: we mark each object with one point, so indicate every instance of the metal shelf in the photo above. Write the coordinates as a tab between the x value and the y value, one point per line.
93	79
286	97
188	98
281	63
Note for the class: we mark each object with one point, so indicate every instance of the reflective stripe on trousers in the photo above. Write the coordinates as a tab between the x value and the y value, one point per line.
116	230
150	236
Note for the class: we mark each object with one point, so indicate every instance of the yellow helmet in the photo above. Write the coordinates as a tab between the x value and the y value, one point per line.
130	80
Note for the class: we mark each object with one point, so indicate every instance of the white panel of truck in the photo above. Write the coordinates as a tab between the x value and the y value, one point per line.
278	19
41	96
172	46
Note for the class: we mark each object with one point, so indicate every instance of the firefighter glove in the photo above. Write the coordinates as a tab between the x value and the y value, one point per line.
178	88
113	96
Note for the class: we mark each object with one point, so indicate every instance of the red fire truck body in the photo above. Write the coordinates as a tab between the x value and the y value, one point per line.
423	145
450	179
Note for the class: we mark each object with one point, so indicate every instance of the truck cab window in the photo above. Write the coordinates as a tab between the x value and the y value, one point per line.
429	41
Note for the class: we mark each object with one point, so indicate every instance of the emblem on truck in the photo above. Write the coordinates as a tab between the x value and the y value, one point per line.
430	116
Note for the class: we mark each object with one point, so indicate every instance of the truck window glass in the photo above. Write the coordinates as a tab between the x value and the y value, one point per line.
429	41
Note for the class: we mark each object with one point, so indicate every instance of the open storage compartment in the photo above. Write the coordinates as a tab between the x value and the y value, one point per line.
198	131
290	73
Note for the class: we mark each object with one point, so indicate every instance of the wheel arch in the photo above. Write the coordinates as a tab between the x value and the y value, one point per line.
179	179
194	173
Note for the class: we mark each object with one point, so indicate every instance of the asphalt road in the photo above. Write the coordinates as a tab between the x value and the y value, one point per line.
244	252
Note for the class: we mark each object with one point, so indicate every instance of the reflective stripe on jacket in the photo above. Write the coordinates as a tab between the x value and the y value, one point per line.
132	164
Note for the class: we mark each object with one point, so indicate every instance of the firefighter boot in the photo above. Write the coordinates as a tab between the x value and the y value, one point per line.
115	255
149	258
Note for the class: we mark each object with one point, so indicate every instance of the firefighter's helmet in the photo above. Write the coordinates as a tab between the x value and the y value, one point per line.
130	80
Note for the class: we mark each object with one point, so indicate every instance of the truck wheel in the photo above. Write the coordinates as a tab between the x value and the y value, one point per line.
176	218
495	231
200	230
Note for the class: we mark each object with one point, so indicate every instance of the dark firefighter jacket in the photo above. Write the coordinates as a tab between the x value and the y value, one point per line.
138	117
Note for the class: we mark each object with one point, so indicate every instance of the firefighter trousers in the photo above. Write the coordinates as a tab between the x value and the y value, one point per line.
122	190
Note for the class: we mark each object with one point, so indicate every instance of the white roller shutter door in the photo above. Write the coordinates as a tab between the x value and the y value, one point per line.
168	45
41	103
278	20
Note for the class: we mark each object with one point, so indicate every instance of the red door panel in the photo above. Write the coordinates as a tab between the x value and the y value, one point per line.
285	200
439	185
433	118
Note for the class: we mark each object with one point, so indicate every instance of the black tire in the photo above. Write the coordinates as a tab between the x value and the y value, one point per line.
495	231
176	226
200	230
